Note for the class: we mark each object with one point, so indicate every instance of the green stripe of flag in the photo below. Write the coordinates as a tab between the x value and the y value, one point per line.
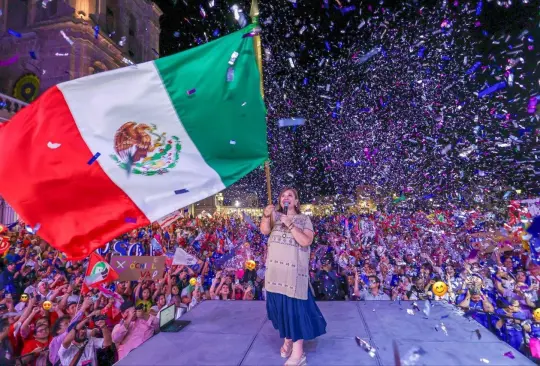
225	119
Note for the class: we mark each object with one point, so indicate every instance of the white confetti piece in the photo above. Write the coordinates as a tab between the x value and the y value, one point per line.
52	145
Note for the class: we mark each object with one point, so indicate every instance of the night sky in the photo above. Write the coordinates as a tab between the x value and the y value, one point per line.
389	91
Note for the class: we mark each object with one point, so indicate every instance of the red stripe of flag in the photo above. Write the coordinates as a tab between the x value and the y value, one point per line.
78	206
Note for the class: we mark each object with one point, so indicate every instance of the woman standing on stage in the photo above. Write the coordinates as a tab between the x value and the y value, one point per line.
289	301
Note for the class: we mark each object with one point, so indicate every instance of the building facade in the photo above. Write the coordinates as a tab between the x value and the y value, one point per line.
46	42
43	43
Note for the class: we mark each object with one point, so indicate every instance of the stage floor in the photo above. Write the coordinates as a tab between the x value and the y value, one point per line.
238	333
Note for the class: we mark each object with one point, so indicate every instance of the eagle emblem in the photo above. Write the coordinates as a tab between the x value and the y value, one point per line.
140	149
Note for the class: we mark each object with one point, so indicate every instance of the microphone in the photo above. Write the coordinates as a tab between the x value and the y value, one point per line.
286	207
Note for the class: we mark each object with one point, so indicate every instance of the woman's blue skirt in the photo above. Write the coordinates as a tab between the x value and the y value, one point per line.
294	318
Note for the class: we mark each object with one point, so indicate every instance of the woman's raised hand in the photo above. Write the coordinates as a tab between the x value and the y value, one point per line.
268	210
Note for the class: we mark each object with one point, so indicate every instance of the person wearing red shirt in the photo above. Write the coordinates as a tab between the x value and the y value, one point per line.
36	349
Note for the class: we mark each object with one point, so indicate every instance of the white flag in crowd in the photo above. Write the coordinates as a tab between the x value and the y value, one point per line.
170	218
183	258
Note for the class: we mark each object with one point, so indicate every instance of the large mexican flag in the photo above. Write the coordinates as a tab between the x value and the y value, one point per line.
98	156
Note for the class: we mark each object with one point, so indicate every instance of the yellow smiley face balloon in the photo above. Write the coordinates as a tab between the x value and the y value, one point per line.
250	264
193	281
47	305
439	288
536	314
24	297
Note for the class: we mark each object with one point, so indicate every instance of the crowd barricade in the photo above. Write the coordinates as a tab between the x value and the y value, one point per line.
491	327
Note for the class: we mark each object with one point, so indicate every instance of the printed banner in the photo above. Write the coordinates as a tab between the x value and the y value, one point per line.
138	267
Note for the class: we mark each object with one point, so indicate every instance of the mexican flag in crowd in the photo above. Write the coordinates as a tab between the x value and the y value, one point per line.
96	157
98	273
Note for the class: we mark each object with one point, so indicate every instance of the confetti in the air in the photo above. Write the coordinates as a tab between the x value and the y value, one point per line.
443	95
53	145
233	58
9	61
14	33
34	229
66	37
288	122
94	158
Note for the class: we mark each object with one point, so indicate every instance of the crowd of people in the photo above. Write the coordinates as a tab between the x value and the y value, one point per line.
49	318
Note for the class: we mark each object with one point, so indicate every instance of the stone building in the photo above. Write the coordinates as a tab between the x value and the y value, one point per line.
45	42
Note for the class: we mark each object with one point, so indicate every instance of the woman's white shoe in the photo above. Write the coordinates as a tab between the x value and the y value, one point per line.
297	362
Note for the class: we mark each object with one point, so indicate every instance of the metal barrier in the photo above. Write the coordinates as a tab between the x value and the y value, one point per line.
491	327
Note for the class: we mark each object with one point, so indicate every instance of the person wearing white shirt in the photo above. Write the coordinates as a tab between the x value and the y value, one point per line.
77	344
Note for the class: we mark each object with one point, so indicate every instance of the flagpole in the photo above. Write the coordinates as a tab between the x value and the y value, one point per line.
254	14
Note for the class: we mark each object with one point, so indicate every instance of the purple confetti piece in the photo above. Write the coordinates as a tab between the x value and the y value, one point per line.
347	9
191	92
14	34
492	89
479	8
96	31
509	354
9	61
473	68
131	220
94	158
181	191
230	74
254	32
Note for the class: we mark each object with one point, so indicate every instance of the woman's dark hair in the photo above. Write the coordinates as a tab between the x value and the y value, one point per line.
56	326
231	291
296	196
